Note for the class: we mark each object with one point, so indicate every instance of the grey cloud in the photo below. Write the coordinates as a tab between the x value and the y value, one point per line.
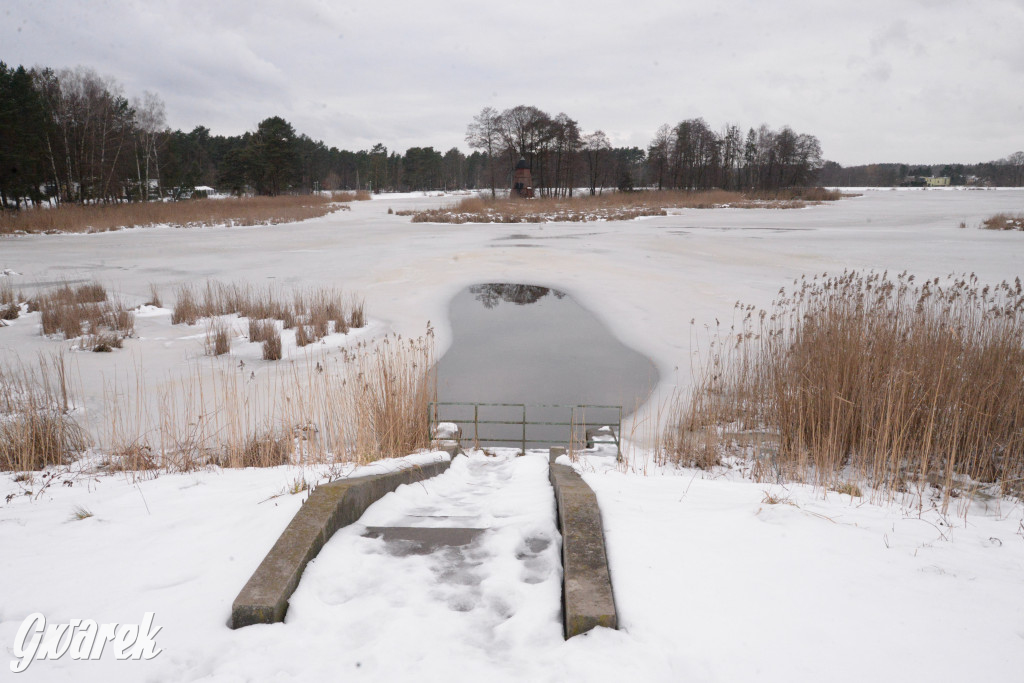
871	80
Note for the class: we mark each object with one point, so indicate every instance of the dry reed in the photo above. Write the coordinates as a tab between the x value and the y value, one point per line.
359	405
185	214
859	376
36	429
312	312
1004	221
613	205
272	344
218	337
87	312
261	330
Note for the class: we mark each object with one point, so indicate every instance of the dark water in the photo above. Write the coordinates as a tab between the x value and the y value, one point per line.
533	345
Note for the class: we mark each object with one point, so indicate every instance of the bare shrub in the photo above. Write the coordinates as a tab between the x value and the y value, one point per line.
134	457
865	377
1004	221
103	342
266	449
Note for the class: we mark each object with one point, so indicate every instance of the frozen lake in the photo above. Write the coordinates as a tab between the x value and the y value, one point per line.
658	284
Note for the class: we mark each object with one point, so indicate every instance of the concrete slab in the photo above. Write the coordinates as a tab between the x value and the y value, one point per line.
415	540
586	584
264	599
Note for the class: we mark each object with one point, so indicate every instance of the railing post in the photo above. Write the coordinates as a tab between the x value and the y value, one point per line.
618	439
476	426
572	430
524	429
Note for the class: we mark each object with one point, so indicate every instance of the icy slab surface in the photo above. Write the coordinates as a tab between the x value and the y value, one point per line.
459	566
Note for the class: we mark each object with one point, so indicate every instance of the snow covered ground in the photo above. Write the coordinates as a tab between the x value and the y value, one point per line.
712	583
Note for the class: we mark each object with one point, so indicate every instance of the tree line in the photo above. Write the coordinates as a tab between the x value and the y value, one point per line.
71	135
689	155
1005	172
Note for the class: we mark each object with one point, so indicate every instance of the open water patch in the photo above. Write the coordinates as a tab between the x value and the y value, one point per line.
534	345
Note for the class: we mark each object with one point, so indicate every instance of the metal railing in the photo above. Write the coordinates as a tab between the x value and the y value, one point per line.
442	411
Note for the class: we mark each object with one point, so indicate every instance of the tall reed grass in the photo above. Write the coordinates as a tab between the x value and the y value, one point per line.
36	427
9	302
313	313
359	405
84	312
356	405
613	205
184	214
863	376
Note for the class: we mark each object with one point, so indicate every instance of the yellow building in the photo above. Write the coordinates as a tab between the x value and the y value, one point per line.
937	182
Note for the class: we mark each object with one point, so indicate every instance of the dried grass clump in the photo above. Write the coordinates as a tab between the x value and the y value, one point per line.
186	214
267	449
613	206
272	345
348	196
261	330
1004	221
154	296
357	405
218	338
859	376
36	429
85	311
9	302
314	313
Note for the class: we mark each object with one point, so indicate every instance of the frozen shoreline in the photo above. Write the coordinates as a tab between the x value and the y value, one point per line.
645	279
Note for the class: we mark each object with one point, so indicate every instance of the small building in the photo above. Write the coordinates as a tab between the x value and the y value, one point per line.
522	180
938	182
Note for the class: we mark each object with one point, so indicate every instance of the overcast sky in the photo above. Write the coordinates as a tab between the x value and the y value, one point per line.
920	81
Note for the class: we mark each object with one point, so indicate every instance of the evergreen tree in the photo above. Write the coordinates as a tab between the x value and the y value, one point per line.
23	123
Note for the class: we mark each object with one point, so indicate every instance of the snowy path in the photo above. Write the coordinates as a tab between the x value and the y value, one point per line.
491	593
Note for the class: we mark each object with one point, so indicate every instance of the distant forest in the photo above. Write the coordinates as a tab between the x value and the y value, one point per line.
72	136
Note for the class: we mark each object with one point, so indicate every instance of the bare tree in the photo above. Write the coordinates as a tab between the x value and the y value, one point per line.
150	118
1016	160
596	148
484	133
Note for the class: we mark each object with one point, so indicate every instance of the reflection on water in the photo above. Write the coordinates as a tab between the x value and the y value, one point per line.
517	343
491	294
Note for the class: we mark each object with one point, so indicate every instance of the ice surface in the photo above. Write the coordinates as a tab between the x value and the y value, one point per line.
711	584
